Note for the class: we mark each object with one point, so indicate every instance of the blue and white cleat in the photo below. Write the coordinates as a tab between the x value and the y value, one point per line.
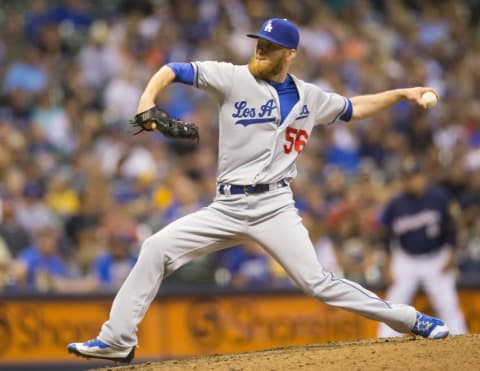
430	327
98	349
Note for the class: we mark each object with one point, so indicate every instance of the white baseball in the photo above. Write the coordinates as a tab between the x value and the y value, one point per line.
429	99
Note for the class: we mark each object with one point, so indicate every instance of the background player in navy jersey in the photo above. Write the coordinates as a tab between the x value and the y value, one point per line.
421	239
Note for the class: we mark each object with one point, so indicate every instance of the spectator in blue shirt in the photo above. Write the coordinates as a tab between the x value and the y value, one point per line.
111	268
27	74
248	266
40	266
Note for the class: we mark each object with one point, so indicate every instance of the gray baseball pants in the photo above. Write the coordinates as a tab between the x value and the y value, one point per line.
272	220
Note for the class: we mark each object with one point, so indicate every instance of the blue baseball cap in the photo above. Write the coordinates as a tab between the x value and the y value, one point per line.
279	31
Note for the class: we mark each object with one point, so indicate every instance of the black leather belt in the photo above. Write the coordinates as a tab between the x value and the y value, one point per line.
236	189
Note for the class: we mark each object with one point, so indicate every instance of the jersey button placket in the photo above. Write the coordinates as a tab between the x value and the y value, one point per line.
276	125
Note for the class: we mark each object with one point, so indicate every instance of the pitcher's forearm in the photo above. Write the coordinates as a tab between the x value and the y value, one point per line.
365	106
159	81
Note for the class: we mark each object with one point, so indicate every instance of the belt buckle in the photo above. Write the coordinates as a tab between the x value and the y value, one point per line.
245	189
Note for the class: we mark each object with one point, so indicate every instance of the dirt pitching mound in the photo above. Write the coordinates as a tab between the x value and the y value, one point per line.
407	353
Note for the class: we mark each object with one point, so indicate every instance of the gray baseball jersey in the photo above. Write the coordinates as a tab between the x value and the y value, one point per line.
254	148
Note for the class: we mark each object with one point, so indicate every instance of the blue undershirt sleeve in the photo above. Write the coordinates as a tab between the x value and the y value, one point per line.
347	115
183	72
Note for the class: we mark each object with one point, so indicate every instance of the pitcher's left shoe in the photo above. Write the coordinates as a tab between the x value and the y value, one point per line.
98	349
430	327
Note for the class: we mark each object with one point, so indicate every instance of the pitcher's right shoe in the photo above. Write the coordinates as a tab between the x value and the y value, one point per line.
98	349
430	327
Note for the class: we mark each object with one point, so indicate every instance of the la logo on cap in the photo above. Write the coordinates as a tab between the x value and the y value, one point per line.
268	27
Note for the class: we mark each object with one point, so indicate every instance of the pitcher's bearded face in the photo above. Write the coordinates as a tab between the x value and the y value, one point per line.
269	60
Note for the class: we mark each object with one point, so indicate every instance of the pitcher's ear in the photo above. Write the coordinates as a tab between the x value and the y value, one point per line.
292	53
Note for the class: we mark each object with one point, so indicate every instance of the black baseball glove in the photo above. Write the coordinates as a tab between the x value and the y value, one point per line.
168	126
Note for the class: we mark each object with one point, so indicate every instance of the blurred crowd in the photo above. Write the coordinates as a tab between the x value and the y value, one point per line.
79	192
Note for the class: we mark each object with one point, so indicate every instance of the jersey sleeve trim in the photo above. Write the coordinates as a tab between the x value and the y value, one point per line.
195	73
340	113
184	72
347	114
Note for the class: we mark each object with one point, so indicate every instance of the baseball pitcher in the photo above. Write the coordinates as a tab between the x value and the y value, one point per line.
266	116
